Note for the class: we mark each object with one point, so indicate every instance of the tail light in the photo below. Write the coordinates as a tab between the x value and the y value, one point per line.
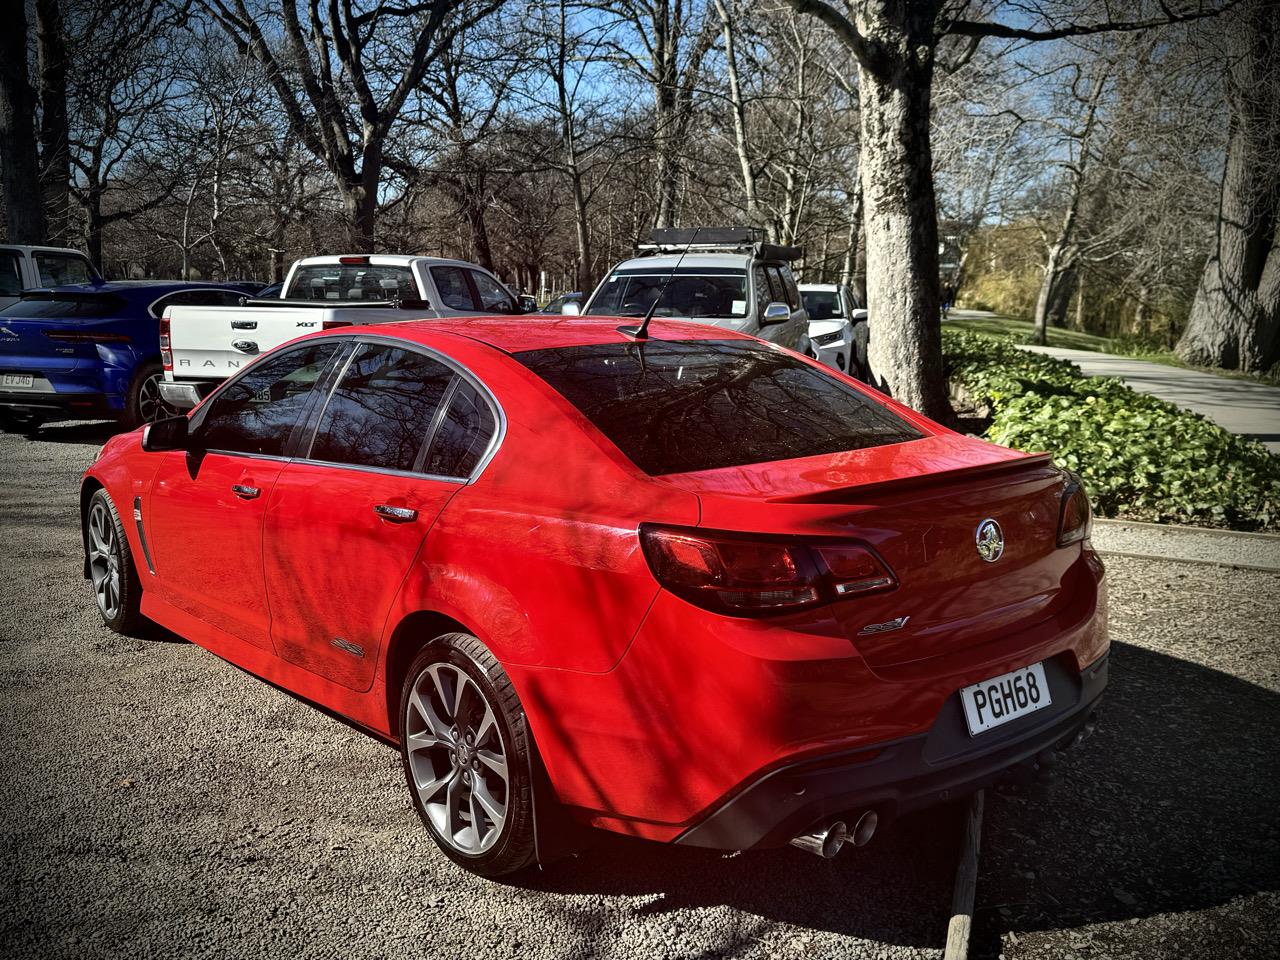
330	324
353	260
166	350
1075	521
754	576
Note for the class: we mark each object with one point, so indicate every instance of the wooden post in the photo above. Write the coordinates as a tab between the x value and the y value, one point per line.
966	883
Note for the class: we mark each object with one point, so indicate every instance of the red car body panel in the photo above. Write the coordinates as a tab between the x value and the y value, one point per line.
647	711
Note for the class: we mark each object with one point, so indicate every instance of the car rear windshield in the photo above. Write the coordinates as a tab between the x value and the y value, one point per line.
352	281
46	308
691	293
682	406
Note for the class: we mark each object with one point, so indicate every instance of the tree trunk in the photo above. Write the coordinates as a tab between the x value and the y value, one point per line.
19	166
55	154
900	216
739	113
1235	317
850	265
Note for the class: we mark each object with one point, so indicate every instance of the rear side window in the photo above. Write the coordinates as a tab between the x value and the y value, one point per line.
60	269
463	435
492	294
257	412
83	308
682	406
455	293
381	410
10	274
352	281
198	298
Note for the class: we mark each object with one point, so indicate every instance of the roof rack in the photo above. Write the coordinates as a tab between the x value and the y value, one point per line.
718	240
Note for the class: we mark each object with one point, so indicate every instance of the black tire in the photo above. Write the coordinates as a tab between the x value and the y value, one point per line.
510	846
142	405
101	526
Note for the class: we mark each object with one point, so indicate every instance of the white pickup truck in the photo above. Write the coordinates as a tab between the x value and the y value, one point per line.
24	268
201	346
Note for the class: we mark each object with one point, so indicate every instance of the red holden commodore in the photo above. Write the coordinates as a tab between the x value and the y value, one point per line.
693	588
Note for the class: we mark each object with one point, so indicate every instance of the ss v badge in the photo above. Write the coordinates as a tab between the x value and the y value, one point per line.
886	627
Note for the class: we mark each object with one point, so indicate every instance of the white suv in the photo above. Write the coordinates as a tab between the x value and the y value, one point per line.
728	278
837	327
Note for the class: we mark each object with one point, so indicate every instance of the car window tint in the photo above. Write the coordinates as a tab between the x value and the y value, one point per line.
789	284
352	281
492	294
463	435
256	412
44	308
198	298
451	282
778	287
678	406
59	269
822	304
10	274
763	295
379	413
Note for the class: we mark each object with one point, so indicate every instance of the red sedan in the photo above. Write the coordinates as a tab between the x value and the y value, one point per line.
694	588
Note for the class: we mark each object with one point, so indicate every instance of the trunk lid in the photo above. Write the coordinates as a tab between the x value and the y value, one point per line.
51	333
919	505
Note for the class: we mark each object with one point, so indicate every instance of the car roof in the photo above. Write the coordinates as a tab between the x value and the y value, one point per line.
667	261
135	286
536	332
819	287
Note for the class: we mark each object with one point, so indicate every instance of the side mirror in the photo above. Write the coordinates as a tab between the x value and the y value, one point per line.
775	313
572	309
528	304
167	434
411	304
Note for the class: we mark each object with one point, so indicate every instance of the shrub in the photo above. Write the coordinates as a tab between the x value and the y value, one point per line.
1139	457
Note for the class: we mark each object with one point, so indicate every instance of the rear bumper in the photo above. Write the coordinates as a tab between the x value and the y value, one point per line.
904	775
87	405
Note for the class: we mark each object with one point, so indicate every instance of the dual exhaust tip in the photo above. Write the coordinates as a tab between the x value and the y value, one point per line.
827	841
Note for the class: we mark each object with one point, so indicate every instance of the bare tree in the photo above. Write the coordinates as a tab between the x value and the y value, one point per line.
1235	320
896	45
344	78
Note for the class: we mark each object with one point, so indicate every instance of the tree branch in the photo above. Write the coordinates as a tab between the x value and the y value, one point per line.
865	51
972	28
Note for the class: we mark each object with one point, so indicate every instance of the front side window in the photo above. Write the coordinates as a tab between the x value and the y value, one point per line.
10	274
493	297
451	283
60	269
381	410
780	292
680	406
688	295
256	412
352	281
463	435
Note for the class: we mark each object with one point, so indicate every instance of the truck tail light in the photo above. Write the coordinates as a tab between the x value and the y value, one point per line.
166	351
1075	520
754	576
353	259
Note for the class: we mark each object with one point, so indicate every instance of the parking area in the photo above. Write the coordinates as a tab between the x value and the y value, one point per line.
161	802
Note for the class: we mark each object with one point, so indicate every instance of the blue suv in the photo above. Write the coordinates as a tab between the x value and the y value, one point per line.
91	351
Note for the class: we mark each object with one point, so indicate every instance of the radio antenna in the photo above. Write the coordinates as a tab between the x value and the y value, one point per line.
641	332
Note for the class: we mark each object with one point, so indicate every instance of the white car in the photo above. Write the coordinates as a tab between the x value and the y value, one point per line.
837	327
201	346
724	276
26	268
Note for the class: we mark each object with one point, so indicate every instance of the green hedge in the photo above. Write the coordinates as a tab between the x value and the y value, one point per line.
1139	457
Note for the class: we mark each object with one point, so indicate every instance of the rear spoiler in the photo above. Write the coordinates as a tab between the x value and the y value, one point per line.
866	491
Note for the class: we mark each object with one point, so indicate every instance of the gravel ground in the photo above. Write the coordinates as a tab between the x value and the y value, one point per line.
1260	550
163	803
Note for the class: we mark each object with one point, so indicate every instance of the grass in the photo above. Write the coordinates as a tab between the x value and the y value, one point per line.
1021	331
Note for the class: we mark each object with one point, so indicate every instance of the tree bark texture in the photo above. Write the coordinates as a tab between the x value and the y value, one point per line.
19	165
1235	317
55	154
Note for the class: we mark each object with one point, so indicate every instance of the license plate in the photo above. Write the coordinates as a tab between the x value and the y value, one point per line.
1006	697
17	380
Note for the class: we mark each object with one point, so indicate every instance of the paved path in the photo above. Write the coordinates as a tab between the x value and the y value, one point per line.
1241	406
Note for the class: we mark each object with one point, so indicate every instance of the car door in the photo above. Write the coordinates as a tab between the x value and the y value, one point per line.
400	434
204	515
454	296
782	289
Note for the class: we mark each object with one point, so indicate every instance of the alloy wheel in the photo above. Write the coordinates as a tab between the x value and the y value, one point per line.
151	406
457	758
104	560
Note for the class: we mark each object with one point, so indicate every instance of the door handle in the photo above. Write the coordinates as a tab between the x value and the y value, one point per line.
245	492
395	514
